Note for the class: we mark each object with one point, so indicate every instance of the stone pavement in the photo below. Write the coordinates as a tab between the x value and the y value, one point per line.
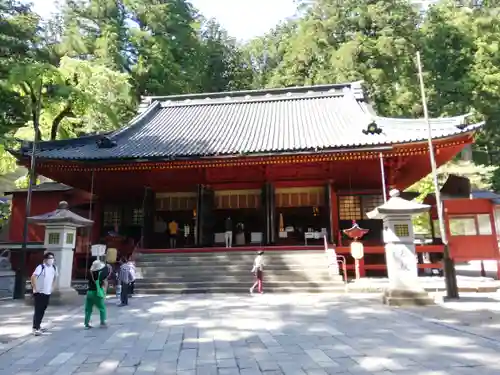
16	319
476	313
254	335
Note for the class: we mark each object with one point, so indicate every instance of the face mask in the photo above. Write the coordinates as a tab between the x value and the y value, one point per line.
50	262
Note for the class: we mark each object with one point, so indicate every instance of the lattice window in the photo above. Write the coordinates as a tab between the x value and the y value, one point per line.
300	197
236	199
70	237
402	230
137	216
54	238
175	203
370	202
112	217
349	207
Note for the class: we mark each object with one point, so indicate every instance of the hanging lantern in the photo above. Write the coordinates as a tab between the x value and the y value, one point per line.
355	232
357	250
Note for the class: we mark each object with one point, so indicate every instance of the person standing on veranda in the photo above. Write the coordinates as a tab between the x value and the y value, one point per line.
173	228
228	234
96	292
43	283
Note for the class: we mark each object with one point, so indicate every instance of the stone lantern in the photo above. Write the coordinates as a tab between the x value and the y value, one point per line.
399	239
60	238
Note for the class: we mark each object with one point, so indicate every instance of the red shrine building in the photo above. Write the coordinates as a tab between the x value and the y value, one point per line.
288	166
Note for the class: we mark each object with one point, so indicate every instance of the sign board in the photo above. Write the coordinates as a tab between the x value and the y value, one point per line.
98	250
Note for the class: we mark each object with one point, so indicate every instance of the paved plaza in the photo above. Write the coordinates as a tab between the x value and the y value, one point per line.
252	335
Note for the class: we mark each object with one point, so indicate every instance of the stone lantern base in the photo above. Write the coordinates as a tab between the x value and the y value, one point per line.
402	297
60	298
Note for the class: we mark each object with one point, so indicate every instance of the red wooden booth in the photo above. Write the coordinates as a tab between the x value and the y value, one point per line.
471	221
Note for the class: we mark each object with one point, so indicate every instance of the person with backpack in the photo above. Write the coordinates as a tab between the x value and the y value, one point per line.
96	292
43	283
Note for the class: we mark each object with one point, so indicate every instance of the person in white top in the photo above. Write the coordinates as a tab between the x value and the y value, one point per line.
42	282
257	270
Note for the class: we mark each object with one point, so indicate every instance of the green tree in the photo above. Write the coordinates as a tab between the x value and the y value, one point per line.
464	76
225	66
95	98
373	41
448	56
76	98
486	75
96	30
165	47
19	29
266	53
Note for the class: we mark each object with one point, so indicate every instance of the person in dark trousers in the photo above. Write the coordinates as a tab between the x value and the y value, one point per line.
99	274
126	276
43	283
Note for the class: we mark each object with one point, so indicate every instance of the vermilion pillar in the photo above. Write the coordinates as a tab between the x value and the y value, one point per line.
334	214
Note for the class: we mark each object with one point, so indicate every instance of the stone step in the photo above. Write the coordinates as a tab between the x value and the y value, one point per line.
241	283
233	251
232	266
242	289
227	256
234	259
233	278
203	274
321	274
147	272
230	272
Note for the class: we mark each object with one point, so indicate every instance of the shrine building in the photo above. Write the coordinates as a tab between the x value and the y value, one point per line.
288	166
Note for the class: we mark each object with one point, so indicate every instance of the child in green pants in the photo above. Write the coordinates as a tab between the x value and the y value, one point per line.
98	279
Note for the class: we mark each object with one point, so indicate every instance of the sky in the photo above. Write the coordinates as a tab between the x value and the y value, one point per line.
243	19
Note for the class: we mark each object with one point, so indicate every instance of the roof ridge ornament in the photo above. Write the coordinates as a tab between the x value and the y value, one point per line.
106	142
372	128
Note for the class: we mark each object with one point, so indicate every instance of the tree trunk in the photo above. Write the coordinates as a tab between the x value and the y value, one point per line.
54	129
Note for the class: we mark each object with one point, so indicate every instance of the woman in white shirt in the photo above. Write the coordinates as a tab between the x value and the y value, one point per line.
257	270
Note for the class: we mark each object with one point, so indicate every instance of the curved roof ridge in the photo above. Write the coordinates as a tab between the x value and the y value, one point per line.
422	119
60	143
249	99
137	120
356	85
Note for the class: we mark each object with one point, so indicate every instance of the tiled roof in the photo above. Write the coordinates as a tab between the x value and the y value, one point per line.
250	123
43	187
483	194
